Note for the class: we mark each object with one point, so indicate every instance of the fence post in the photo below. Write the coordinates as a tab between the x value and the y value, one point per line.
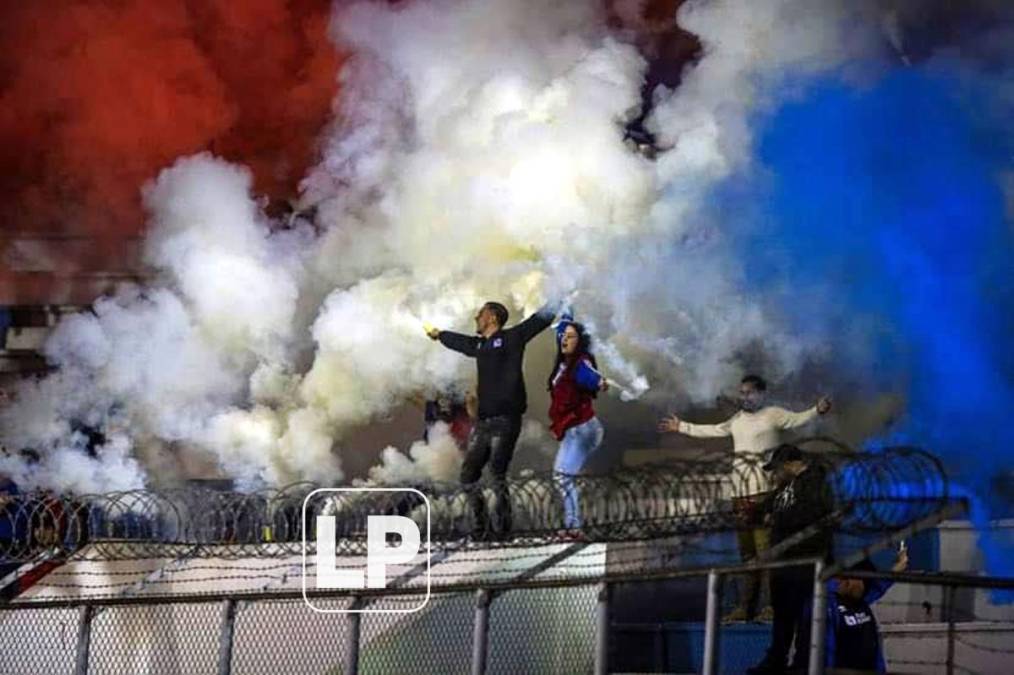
352	648
480	632
818	623
225	638
84	639
602	631
711	623
952	592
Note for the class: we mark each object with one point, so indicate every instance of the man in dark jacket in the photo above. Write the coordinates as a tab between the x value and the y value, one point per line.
499	353
802	498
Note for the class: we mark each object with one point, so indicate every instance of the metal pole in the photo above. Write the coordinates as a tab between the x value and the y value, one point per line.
352	648
711	623
602	632
951	596
818	623
480	632
84	639
225	638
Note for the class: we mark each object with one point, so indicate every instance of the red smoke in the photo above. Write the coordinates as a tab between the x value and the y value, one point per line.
97	95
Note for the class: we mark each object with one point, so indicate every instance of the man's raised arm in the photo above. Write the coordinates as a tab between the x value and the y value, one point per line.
537	322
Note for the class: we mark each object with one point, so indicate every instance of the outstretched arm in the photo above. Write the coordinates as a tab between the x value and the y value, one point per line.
465	344
786	419
537	322
675	424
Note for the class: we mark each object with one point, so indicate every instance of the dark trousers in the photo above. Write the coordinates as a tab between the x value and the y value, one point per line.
792	602
492	441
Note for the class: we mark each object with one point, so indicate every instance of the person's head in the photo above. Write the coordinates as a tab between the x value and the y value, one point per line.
751	393
574	340
490	318
787	461
851	588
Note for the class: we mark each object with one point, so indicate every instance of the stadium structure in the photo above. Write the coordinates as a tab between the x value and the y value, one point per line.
203	581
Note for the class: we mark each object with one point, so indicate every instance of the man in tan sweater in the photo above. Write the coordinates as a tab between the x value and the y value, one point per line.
755	429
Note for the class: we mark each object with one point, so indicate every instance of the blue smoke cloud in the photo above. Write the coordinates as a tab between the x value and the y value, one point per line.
878	223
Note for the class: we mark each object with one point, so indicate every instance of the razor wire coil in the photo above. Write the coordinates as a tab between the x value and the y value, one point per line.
869	492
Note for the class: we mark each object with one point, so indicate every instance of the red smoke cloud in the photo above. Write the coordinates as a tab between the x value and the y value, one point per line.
97	95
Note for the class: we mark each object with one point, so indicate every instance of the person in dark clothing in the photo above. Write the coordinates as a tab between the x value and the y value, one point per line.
853	640
802	497
499	353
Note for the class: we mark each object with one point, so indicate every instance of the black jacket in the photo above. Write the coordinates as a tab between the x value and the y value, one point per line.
499	358
803	501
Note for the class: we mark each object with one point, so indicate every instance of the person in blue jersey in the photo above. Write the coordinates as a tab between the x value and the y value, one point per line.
573	384
499	354
853	640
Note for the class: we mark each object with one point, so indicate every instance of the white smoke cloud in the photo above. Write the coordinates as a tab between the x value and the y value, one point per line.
478	154
437	459
169	362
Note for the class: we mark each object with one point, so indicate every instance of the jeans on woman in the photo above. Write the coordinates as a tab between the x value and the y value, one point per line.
577	447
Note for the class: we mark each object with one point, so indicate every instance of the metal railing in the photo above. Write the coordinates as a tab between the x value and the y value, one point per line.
526	625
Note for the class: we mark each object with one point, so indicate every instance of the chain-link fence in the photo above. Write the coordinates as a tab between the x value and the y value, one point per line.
663	621
533	630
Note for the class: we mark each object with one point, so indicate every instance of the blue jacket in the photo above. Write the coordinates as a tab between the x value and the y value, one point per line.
875	589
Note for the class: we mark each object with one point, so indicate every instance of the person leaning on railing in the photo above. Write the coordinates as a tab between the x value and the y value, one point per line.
755	429
801	499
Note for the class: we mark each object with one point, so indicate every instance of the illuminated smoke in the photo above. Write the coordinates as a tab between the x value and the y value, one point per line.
477	153
96	96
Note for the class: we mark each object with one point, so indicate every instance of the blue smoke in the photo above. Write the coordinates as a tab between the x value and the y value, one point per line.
879	224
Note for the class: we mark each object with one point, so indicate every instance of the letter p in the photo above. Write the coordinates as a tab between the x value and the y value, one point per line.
379	555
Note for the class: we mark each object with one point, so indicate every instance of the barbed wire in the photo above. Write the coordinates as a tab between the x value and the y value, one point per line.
872	492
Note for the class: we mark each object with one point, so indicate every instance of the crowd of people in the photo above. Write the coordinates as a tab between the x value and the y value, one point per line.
772	506
502	400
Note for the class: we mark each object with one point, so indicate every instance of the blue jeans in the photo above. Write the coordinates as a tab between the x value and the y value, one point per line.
577	447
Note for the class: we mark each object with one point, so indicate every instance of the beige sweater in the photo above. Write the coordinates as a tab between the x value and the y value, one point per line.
752	434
